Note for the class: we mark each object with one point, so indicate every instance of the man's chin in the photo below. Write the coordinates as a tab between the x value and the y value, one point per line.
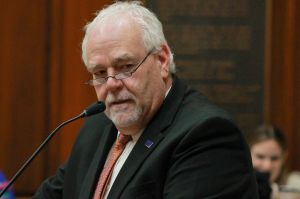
123	123
125	119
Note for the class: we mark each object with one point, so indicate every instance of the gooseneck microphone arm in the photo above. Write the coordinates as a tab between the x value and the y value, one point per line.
91	110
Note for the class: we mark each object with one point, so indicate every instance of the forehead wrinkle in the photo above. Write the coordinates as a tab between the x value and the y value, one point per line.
122	58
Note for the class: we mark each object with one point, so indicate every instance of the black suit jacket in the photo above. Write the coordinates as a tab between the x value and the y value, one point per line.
191	149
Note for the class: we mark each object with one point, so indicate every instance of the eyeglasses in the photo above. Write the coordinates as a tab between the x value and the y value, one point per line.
119	76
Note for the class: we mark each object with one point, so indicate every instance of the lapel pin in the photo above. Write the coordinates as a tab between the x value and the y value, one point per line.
148	143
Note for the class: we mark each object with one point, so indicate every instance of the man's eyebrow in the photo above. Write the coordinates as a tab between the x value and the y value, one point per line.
115	62
122	58
93	67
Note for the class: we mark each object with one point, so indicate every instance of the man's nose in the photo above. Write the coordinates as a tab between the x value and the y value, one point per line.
113	84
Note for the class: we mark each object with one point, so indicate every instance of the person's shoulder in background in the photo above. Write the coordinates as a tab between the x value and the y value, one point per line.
293	180
291	189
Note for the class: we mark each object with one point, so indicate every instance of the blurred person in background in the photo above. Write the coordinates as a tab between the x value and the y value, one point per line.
269	153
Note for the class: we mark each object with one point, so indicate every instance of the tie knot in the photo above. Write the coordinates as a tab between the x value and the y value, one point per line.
123	140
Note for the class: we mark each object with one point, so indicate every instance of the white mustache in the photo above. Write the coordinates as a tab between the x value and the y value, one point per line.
111	98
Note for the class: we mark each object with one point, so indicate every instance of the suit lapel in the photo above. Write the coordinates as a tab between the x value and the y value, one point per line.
150	138
137	156
98	161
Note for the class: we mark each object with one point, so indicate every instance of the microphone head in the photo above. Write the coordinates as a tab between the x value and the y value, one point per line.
93	109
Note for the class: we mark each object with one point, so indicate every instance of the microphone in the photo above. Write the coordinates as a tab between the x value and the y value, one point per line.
93	109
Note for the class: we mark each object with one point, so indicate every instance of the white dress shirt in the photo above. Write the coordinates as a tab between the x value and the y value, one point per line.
121	160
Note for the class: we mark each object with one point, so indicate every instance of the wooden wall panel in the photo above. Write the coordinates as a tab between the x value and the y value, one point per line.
296	138
23	97
283	91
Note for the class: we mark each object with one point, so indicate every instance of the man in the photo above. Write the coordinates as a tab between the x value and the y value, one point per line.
179	144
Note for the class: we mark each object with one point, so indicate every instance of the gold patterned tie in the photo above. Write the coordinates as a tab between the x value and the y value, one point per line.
115	153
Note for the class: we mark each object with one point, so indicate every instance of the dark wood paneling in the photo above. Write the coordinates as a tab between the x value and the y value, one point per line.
283	101
23	97
295	140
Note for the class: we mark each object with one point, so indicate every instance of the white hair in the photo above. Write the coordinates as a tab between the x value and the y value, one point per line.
152	30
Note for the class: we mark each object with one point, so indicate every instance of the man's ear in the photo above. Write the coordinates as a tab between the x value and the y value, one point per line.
164	59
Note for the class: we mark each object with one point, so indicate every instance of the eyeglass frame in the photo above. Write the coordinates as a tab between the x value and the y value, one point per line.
119	76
